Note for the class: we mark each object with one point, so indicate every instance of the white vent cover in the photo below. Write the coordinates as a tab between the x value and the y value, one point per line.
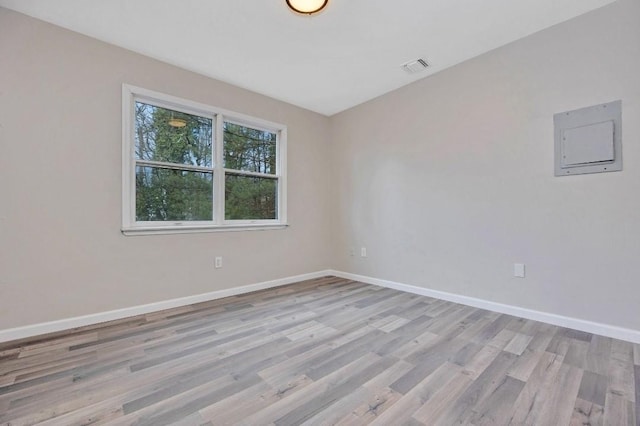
415	66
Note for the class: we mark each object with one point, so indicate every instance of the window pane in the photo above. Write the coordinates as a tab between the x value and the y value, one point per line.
248	149
249	197
173	195
171	136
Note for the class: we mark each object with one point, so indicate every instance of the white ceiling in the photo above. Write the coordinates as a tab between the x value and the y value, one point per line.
346	55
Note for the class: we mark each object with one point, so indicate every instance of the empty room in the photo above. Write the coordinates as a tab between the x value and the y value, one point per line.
340	212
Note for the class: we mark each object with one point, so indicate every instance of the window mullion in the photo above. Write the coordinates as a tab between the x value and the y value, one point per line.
218	175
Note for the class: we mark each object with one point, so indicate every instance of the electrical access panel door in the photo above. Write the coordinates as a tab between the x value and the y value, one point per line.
588	140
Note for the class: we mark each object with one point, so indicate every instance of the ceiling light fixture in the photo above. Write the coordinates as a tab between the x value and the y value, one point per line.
177	122
307	7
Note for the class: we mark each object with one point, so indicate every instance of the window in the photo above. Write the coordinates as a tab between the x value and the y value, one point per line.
189	167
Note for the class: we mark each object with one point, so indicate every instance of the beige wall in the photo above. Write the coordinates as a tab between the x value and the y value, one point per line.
449	181
61	250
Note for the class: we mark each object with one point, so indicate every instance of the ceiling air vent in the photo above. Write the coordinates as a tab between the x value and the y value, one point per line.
415	66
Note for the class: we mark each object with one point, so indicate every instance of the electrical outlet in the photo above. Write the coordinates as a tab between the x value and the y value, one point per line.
363	252
352	251
218	263
518	270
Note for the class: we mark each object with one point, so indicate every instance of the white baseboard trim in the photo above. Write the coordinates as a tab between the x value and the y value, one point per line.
33	330
616	332
81	321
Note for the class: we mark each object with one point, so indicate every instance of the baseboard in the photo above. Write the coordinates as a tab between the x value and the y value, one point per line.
616	332
81	321
33	330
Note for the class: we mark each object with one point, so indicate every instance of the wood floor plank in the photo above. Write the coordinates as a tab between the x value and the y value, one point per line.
502	339
325	400
233	409
431	411
525	364
598	355
473	326
341	408
425	362
480	361
187	403
343	379
319	352
347	353
621	370
577	353
618	411
492	329
367	411
531	401
466	353
379	398
593	388
481	389
411	337
542	338
560	396
586	413
499	405
518	344
57	393
402	411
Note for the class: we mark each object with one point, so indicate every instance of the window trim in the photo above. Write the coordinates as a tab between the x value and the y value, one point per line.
130	94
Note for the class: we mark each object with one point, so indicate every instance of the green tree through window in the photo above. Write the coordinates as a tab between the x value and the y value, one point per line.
165	190
249	196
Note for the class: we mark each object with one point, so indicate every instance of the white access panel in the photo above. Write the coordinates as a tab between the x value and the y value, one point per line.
588	144
589	140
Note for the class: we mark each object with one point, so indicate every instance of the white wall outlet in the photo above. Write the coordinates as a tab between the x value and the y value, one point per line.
518	270
363	252
352	251
218	263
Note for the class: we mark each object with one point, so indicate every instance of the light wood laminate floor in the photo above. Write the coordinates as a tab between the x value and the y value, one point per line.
322	352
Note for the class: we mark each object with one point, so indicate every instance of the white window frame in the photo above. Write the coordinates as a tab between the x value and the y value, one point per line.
131	94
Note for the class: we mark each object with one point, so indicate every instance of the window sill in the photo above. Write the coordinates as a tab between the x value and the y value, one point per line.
187	229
